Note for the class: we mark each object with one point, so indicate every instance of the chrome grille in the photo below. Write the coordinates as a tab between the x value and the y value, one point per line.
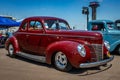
98	51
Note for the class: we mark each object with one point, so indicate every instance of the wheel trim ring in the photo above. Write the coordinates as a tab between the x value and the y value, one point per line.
61	60
11	49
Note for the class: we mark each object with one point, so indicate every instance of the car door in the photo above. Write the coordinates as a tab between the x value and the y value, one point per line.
21	36
34	37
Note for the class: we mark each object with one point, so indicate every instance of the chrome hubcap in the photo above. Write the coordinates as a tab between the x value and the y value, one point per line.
60	60
11	49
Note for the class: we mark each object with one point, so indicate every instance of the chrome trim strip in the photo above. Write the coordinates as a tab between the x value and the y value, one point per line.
95	64
32	57
56	35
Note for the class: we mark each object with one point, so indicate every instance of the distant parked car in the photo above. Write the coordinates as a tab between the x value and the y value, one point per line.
2	40
5	33
109	31
50	40
3	37
117	24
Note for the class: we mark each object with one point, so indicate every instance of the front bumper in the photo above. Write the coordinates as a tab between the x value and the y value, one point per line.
95	64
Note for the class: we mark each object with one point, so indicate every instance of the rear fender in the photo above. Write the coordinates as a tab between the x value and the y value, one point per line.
12	40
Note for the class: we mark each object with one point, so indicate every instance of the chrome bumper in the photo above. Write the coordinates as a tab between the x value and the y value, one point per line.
95	64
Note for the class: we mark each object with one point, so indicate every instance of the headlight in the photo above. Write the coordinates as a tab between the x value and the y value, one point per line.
81	50
107	44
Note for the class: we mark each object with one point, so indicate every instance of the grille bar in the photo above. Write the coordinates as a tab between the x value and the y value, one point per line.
98	49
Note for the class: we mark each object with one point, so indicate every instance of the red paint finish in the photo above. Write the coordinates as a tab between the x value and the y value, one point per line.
45	39
12	40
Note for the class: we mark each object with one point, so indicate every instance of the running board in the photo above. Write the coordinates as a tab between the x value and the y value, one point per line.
32	57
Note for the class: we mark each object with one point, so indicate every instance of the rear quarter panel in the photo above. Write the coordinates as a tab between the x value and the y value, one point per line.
12	40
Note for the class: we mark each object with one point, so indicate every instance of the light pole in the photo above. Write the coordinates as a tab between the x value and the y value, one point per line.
85	10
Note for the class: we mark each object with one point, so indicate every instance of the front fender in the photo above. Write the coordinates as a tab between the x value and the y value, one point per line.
12	40
69	48
114	45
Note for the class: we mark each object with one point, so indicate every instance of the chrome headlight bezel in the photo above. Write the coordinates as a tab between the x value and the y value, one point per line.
107	45
81	50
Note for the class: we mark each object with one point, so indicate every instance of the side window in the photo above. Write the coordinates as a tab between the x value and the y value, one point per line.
35	25
46	25
38	25
24	27
98	27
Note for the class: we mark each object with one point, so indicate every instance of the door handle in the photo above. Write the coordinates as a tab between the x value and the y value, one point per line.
27	35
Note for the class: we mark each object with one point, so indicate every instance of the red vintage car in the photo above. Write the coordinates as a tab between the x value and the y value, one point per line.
50	40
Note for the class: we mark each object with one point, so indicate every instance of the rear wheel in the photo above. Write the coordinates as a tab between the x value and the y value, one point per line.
11	50
61	62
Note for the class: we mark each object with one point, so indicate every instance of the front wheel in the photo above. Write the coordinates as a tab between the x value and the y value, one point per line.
61	62
11	50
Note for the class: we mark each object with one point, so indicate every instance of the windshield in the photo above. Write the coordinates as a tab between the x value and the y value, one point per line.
118	25
56	25
111	25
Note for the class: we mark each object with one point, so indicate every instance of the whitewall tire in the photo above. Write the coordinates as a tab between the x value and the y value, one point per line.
61	62
11	50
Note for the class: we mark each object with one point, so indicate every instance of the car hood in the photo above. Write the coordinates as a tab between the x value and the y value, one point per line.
78	33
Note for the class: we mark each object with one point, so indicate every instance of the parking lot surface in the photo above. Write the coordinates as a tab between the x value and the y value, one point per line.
23	69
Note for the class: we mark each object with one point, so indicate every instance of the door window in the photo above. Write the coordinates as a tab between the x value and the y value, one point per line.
35	25
24	27
98	27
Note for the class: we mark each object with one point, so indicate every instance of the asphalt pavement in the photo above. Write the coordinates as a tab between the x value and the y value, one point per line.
23	69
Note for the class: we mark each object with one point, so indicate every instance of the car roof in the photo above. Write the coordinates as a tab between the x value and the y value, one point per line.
117	20
101	21
43	17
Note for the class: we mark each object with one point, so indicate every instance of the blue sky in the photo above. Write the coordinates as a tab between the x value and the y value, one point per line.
69	10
